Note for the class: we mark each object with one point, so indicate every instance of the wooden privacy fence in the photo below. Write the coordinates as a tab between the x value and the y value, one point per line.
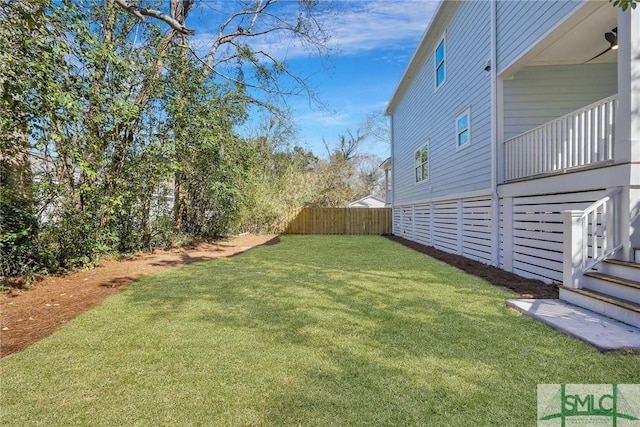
340	221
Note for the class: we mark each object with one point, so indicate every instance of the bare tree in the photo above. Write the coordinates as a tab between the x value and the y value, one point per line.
179	9
376	126
348	146
238	43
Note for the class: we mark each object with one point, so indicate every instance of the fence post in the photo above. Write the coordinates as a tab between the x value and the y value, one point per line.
572	260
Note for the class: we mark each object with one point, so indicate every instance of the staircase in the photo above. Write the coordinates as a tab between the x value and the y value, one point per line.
612	288
593	279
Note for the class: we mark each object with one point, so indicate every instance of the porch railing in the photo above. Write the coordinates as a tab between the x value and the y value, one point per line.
590	236
583	137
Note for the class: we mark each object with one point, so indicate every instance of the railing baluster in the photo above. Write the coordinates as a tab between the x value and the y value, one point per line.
575	140
611	124
581	138
561	145
585	240
593	135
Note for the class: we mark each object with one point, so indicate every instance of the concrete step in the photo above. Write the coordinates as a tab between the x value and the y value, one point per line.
624	269
614	286
616	308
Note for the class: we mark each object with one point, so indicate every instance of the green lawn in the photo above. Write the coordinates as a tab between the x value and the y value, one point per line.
314	330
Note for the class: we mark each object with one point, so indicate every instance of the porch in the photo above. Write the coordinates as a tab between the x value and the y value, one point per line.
595	231
580	139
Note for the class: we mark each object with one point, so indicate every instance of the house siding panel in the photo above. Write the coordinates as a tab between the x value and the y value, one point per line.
423	230
426	114
537	232
397	222
406	225
521	23
445	223
476	230
540	94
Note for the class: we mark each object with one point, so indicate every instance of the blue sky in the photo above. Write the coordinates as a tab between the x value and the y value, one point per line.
376	40
373	41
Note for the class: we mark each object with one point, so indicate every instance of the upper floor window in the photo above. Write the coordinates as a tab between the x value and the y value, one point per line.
441	74
463	129
421	162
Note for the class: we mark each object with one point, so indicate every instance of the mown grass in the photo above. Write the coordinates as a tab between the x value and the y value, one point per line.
315	330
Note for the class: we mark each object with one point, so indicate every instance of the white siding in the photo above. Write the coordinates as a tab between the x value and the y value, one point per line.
476	230
423	221
426	114
445	226
396	224
406	225
459	226
537	233
521	23
540	94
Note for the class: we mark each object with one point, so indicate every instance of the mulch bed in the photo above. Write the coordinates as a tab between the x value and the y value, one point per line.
525	288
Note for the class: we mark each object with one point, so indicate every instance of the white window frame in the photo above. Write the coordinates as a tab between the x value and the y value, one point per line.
443	42
428	163
457	132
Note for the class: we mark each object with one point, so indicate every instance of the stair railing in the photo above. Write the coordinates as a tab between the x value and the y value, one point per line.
590	236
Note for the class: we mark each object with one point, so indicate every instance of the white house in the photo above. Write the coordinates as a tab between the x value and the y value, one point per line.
369	201
516	142
388	189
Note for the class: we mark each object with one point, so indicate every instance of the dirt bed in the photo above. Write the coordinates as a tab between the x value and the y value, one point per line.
29	315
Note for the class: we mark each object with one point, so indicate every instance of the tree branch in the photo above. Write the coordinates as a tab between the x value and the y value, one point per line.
141	12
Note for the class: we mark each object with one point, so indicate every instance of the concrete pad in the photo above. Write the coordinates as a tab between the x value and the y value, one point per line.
604	333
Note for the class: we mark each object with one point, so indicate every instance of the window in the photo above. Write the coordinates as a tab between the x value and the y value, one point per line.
441	74
463	130
422	163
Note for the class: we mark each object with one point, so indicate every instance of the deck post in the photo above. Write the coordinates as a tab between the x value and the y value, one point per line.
572	249
460	226
627	141
507	236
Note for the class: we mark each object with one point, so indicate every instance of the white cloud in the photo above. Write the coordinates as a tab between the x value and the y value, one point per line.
355	26
372	25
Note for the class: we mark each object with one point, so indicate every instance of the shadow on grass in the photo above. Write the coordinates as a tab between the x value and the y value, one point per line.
378	340
316	331
186	259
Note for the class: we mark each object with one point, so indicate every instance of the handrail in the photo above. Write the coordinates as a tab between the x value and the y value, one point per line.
606	252
590	237
593	206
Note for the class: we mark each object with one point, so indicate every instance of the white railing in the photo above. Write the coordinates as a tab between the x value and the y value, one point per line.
583	137
590	236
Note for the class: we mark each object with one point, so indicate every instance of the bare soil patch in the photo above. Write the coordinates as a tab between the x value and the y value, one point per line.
29	315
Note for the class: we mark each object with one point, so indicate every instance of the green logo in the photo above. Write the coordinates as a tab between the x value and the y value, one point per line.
564	405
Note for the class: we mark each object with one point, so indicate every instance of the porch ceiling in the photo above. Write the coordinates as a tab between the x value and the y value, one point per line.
577	43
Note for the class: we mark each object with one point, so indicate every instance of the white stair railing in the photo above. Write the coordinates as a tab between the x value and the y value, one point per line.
580	138
590	236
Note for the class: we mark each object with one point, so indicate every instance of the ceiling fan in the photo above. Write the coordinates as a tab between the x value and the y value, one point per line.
612	38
